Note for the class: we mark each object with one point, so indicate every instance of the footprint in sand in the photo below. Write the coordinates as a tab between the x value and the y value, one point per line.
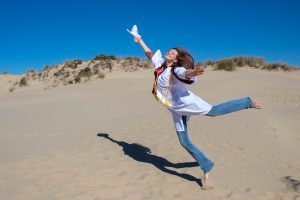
143	176
122	174
176	196
229	195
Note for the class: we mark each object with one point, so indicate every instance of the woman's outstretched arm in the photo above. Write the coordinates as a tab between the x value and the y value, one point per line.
194	72
146	49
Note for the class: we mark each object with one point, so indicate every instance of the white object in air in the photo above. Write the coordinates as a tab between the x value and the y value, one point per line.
134	32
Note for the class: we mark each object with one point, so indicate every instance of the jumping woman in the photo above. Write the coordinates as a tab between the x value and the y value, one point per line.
173	74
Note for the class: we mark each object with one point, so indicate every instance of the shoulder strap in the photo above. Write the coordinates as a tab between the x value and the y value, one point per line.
160	70
182	80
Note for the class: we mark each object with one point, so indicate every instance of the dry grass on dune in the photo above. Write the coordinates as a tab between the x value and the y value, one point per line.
78	71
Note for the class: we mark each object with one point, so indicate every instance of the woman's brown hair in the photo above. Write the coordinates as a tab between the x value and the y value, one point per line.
184	58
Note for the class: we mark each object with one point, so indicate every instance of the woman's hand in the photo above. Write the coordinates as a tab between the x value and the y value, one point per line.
134	31
194	72
198	71
136	40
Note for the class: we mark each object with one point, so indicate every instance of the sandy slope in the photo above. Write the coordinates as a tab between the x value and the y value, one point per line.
52	144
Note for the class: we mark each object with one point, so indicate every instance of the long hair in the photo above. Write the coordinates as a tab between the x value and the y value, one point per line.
185	59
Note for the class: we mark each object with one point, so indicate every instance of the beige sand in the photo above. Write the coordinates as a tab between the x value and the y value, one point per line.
50	146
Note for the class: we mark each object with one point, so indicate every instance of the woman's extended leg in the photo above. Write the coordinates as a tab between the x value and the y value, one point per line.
233	106
205	164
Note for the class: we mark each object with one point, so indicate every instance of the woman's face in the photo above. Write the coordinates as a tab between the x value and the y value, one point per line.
171	55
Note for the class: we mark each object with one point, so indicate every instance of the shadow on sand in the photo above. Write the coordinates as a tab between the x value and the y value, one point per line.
291	183
143	154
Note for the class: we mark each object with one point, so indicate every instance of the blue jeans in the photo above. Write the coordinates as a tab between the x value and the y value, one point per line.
230	106
224	108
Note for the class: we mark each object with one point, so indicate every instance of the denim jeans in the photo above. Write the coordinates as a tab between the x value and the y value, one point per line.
224	108
230	106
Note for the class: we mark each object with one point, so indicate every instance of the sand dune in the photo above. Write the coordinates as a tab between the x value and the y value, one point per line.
109	139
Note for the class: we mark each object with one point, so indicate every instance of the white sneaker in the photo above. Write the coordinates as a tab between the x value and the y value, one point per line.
134	32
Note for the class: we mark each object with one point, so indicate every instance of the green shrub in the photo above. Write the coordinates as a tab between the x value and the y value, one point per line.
231	64
259	62
200	64
86	72
73	64
248	61
239	61
210	62
60	72
77	79
226	64
12	88
46	68
254	62
23	82
144	64
31	71
132	58
103	64
67	74
277	66
104	57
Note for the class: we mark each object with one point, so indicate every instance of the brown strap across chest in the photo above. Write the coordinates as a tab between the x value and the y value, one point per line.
182	80
158	71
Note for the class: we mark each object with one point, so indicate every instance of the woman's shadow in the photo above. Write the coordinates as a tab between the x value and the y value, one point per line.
143	154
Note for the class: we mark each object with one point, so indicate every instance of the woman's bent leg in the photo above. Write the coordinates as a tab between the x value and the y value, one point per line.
205	164
230	106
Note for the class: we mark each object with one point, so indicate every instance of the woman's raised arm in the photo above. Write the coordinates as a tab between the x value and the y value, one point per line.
143	45
146	49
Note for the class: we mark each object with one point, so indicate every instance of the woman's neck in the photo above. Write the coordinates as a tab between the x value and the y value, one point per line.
169	64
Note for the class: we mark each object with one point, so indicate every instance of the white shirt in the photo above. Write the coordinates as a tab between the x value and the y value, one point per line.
183	101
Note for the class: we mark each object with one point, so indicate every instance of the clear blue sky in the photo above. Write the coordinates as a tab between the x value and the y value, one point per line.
45	32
